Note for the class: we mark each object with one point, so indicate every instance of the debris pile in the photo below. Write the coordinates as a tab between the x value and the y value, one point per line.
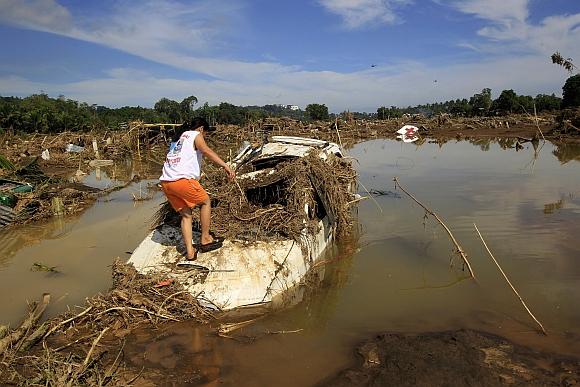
568	123
59	157
52	168
270	206
85	348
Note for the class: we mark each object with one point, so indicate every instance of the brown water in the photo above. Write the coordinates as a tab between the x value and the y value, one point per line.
81	248
395	277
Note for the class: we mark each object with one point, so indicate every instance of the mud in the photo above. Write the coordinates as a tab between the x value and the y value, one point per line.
455	358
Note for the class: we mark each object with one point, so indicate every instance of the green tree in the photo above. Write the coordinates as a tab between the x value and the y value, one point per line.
317	111
384	113
546	102
186	107
507	101
460	107
571	92
169	108
526	103
481	102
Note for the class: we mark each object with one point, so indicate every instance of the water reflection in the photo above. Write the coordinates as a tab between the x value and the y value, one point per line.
567	152
13	239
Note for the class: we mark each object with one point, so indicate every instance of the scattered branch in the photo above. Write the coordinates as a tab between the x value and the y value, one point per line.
26	325
67	321
430	212
508	281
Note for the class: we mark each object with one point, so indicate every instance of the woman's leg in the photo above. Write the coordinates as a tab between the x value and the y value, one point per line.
205	220
186	224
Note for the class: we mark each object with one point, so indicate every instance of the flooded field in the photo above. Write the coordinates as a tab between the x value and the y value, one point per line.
81	249
395	276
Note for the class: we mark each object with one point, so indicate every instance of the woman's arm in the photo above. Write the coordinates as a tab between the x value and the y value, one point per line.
202	146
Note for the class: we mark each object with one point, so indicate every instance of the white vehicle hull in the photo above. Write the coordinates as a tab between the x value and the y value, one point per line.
239	273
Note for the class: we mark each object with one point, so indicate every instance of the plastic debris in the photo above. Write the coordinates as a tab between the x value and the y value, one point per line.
72	148
162	283
408	133
45	155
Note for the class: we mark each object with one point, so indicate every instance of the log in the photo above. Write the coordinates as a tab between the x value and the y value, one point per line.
34	338
26	325
3	331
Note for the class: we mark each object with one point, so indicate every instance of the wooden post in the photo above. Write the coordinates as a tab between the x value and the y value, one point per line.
96	149
57	206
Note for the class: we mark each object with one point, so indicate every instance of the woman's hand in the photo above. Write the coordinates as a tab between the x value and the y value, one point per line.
230	172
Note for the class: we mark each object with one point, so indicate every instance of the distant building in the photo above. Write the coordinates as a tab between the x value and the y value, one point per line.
292	107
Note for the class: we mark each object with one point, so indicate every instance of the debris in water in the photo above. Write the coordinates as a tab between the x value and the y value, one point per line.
37	266
380	192
408	133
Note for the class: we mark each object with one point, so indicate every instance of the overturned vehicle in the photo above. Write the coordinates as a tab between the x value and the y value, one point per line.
291	198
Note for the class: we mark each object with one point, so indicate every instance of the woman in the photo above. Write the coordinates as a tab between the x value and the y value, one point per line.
180	182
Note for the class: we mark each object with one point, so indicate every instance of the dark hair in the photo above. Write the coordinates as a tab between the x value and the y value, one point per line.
191	124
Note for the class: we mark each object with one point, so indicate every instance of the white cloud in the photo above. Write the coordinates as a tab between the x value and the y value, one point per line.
364	13
42	15
510	31
407	84
166	32
172	33
498	11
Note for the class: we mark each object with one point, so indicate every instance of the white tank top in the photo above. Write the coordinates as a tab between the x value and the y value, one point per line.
183	161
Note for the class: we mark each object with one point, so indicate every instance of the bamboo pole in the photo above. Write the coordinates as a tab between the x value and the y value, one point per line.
430	212
337	132
371	196
508	281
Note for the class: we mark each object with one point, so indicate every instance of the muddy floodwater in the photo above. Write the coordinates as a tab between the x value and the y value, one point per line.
398	274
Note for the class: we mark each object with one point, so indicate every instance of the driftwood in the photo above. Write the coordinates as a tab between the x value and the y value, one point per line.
430	212
34	338
3	331
509	283
57	326
26	325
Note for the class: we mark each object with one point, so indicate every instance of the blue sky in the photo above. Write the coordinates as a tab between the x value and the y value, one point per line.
347	54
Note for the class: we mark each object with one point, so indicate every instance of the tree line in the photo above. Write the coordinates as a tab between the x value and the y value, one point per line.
482	104
41	113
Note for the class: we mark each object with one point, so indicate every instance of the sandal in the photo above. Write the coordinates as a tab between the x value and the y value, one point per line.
216	239
192	258
216	244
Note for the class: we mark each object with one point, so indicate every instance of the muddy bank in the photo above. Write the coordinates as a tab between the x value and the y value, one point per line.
455	358
85	345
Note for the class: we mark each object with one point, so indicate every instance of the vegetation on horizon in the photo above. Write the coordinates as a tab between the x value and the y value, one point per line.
41	113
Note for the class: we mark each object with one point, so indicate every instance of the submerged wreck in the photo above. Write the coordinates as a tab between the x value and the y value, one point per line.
291	198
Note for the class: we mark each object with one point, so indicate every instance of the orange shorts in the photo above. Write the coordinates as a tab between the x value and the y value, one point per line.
184	193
